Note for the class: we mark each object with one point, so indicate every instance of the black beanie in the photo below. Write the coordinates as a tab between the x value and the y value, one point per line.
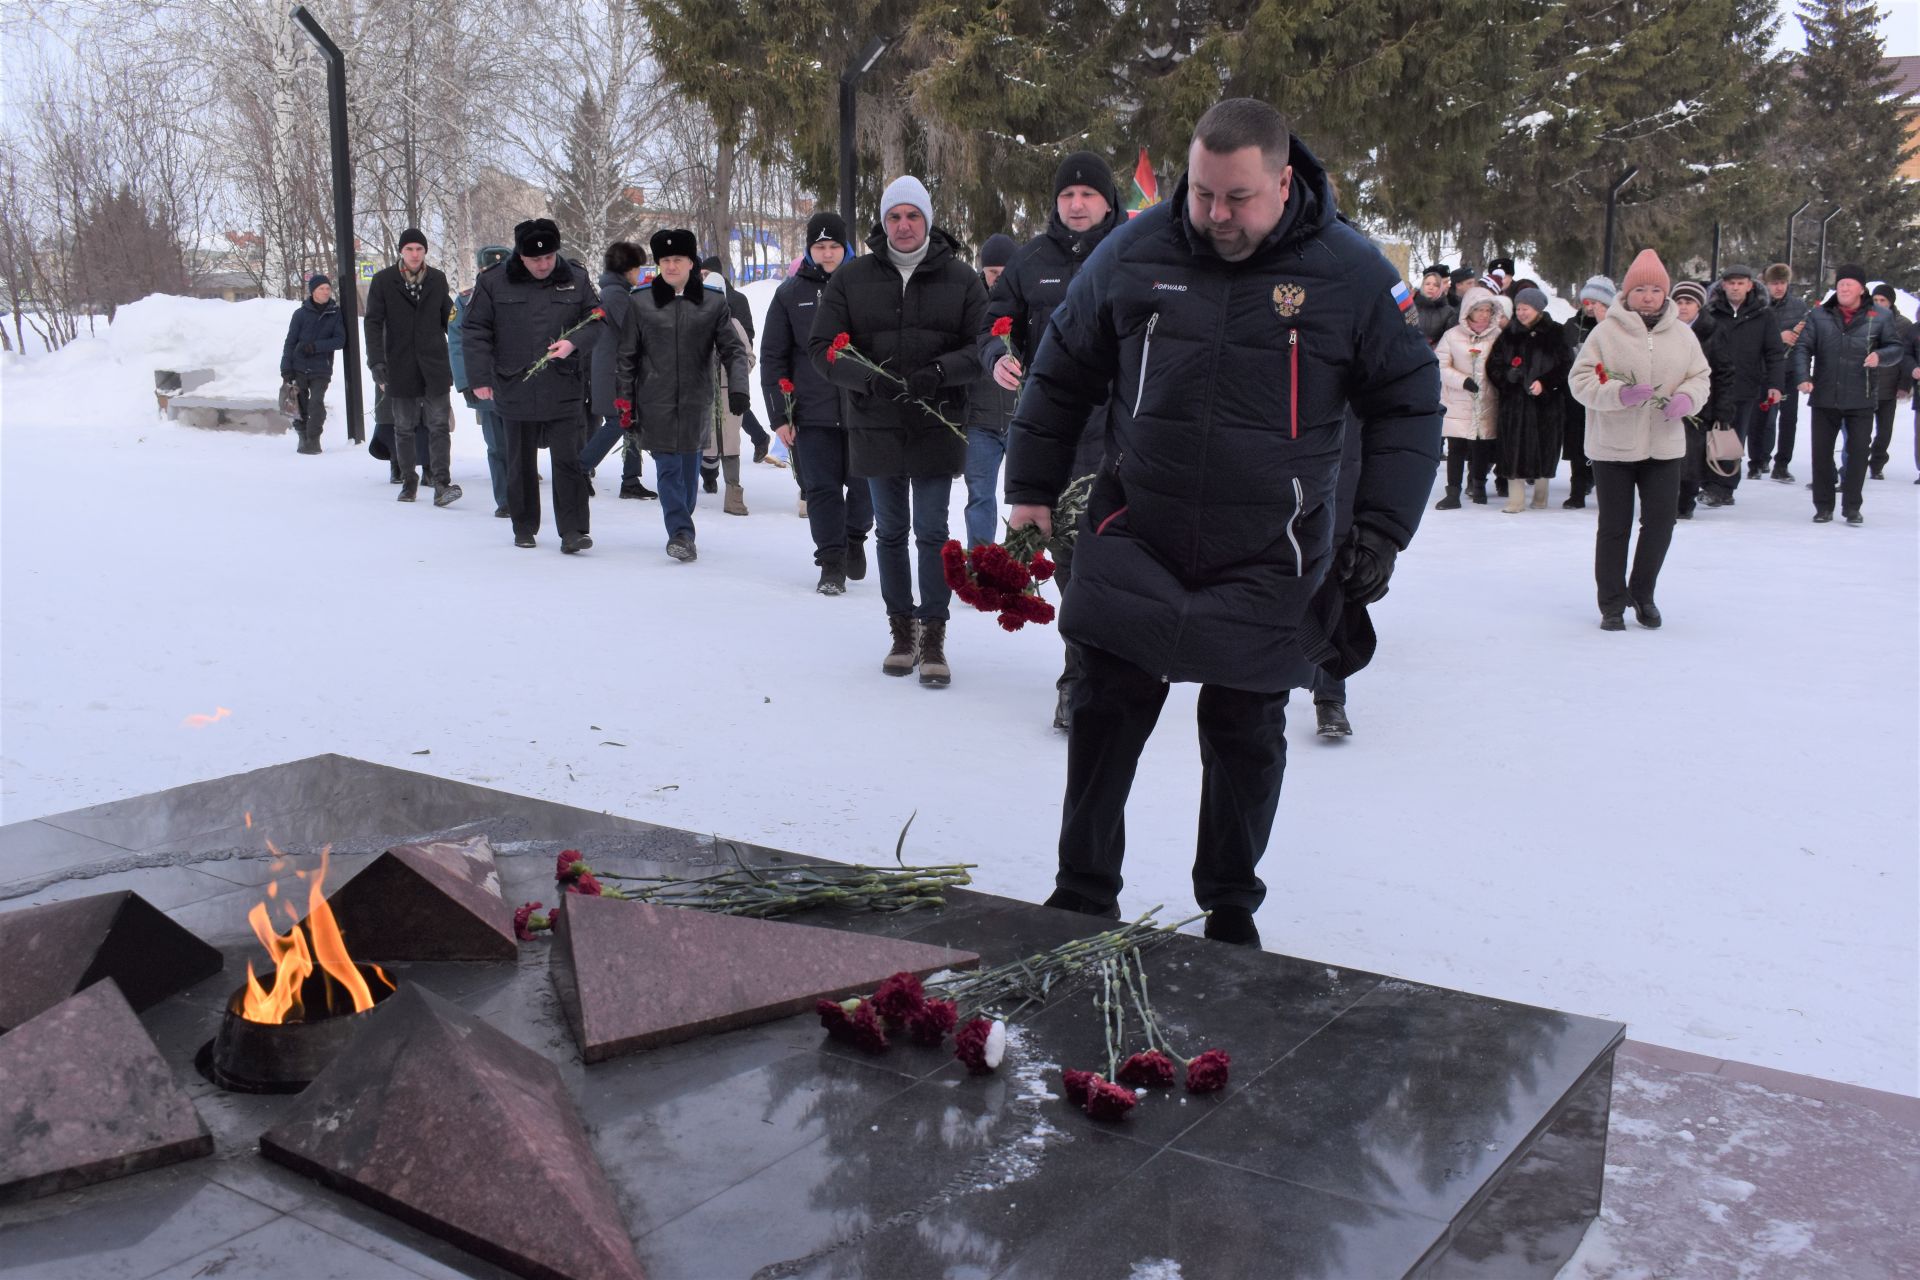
536	237
713	266
1851	271
675	243
1085	169
826	225
412	235
1461	275
315	280
1881	290
998	250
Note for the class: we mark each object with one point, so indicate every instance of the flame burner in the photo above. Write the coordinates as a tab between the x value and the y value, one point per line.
265	1057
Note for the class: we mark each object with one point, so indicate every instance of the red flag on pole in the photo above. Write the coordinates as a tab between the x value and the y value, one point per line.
1146	184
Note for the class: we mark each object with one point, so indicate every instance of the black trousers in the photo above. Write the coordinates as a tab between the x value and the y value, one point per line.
1883	415
1828	426
562	438
1062	577
1786	416
839	509
1243	756
313	402
1657	484
1471	458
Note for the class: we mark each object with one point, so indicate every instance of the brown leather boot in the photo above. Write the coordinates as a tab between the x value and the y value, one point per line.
933	654
905	653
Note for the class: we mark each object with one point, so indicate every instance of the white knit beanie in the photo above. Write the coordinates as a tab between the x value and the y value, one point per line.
907	189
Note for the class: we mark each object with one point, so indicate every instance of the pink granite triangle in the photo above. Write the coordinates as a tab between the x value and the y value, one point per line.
86	1096
49	952
435	901
445	1122
633	976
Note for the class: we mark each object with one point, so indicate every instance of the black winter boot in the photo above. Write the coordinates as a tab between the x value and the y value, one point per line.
1068	900
710	480
1330	720
856	559
1233	925
409	486
1451	502
1477	493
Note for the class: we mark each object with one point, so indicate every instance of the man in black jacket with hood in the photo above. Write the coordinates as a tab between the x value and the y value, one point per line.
1233	324
1085	209
1749	368
306	358
514	320
408	307
839	508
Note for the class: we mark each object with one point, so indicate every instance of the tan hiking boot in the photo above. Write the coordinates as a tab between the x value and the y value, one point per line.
933	654
905	654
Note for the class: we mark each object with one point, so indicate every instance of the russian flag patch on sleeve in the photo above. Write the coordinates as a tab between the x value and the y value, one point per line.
1402	296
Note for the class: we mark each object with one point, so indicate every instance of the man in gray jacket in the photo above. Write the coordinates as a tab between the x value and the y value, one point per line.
513	321
664	376
1845	341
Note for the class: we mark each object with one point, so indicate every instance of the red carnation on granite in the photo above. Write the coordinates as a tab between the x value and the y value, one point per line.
1108	1101
1077	1083
1151	1069
586	885
521	916
981	1044
1208	1072
930	1023
568	866
854	1021
833	1015
899	998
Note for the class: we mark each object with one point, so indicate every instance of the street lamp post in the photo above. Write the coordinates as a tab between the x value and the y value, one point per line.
1791	219
348	273
849	159
1820	274
1613	200
1714	272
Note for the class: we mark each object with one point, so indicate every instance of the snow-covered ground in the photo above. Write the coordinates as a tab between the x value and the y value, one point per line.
1709	832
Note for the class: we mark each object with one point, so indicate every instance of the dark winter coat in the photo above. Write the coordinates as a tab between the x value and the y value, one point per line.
616	298
313	335
507	327
990	405
1531	426
1573	427
1211	527
665	363
1434	318
1027	293
456	349
1832	353
1747	356
408	337
816	402
1895	376
936	321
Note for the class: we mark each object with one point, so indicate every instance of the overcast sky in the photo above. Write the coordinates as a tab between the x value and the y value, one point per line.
1899	27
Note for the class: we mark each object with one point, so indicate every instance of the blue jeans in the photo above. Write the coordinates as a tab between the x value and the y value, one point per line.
494	432
601	443
985	449
678	475
898	501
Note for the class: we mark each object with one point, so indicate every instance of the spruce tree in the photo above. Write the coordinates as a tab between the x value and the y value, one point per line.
1849	141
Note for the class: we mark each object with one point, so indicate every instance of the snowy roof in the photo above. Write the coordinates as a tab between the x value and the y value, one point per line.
1907	74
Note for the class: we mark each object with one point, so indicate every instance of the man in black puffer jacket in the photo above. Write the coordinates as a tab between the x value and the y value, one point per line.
514	319
1791	314
1234	324
839	507
408	306
1085	211
1749	368
1890	380
1846	340
306	358
916	308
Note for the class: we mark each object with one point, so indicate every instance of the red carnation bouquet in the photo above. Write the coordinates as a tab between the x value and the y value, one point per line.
842	348
1123	984
1005	577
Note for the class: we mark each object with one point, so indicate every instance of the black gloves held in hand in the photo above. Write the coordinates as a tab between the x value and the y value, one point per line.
1364	563
738	403
924	383
380	375
1473	386
306	348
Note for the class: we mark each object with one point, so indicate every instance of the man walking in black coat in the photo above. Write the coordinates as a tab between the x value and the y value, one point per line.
1749	369
1890	381
1781	423
839	507
1846	340
1234	324
306	358
916	308
513	321
408	307
1085	211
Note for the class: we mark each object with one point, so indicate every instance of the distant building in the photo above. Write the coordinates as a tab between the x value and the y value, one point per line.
1907	72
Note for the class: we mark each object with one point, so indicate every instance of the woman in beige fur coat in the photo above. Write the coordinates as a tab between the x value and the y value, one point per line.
1472	404
1639	375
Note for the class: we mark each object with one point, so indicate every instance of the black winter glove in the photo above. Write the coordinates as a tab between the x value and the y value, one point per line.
1473	386
738	403
380	375
924	383
1365	563
286	375
306	348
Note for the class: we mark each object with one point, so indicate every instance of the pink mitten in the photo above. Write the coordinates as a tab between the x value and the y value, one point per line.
1636	395
1679	407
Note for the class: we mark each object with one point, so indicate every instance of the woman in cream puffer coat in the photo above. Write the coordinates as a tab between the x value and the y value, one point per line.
1472	404
1640	374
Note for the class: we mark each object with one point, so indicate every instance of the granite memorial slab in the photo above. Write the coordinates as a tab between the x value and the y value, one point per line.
634	976
85	1096
435	901
436	1118
58	948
